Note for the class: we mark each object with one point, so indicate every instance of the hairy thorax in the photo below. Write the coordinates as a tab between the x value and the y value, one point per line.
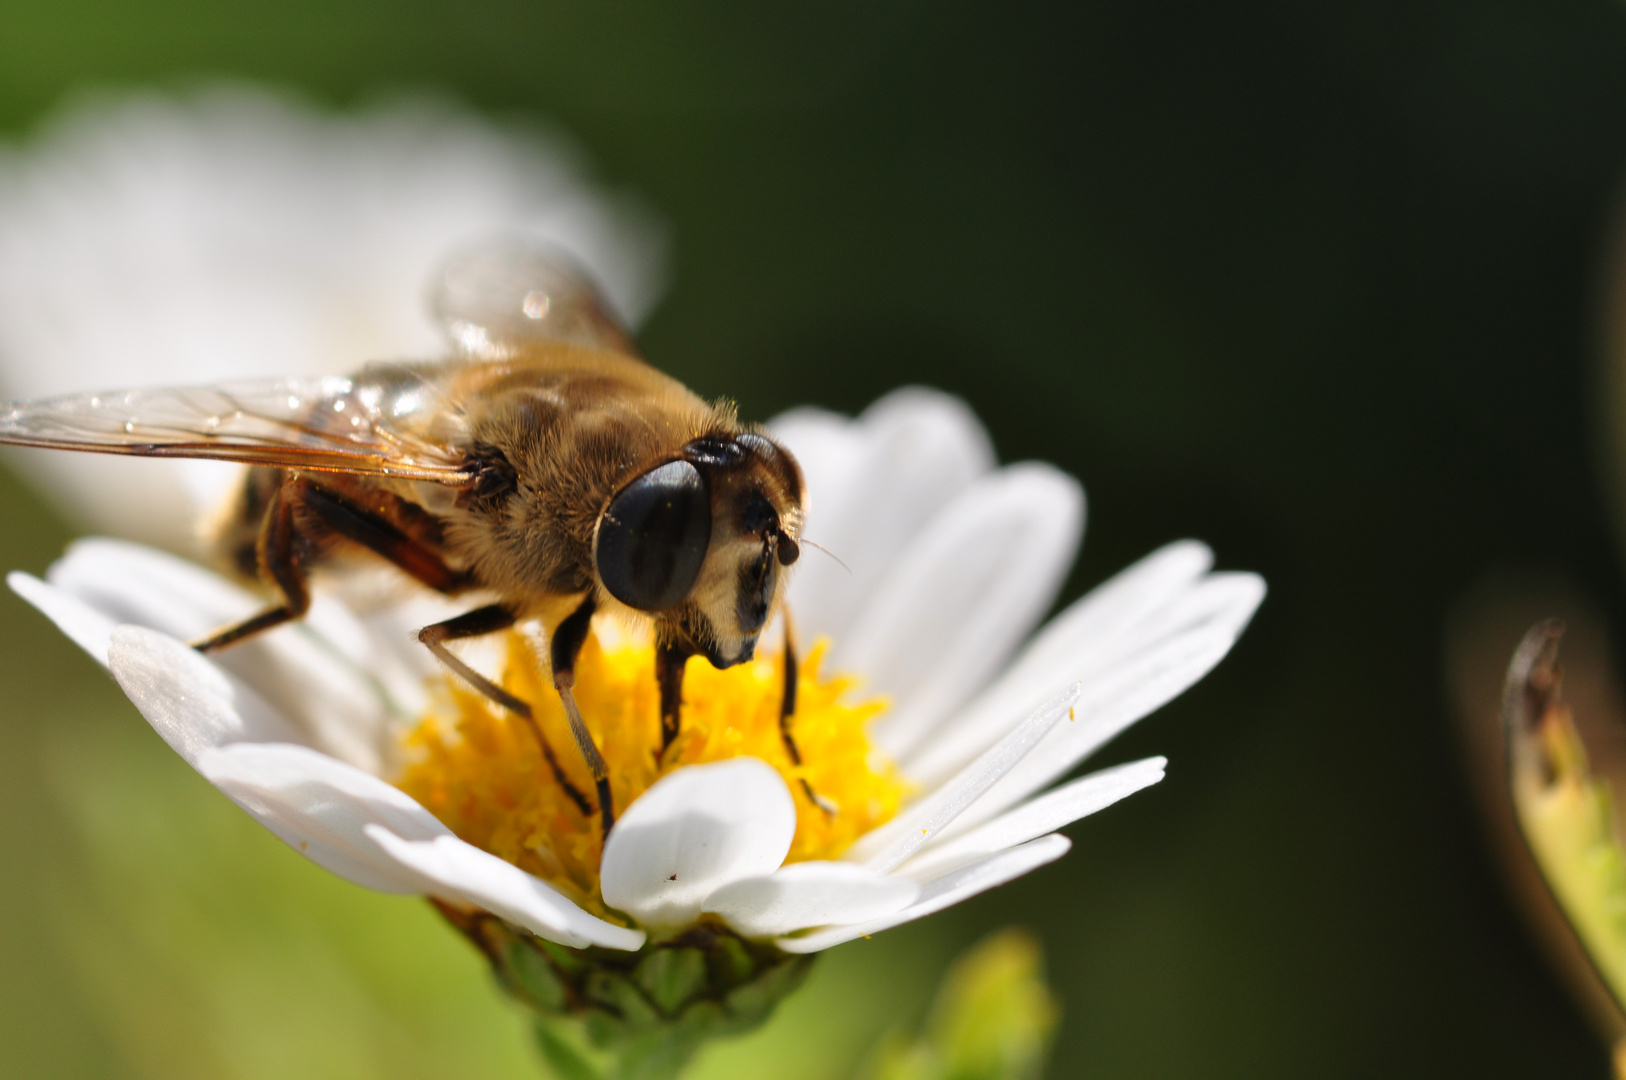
569	440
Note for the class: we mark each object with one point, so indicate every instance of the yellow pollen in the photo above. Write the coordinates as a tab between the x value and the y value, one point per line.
480	771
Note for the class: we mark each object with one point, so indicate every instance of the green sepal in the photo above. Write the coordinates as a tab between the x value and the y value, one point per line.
602	1014
670	977
534	980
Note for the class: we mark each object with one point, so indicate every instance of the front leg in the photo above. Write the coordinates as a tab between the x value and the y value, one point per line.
670	662
787	714
564	647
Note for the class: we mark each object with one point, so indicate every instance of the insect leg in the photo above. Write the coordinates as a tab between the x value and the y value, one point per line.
787	714
670	662
353	521
564	647
787	701
477	623
278	550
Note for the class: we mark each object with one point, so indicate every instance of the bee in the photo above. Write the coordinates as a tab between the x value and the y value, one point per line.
544	464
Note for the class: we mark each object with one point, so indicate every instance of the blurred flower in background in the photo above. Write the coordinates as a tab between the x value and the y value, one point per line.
235	231
992	1019
1542	716
1545	733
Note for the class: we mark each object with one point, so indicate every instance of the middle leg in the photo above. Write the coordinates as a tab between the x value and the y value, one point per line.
670	663
478	623
564	647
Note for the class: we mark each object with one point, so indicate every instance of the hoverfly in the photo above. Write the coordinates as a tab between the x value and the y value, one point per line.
544	464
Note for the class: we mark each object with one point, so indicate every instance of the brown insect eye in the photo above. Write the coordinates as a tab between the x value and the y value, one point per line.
653	537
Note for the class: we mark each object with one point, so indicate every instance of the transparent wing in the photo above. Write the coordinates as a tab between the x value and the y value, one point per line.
323	425
495	299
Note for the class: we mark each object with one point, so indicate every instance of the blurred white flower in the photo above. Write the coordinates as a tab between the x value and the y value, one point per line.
234	232
953	563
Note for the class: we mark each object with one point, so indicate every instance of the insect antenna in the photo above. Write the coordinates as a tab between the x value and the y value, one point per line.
820	547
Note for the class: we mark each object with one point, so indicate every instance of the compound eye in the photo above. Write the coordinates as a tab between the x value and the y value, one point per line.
653	537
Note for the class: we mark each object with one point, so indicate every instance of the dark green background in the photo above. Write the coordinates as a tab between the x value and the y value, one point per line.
1314	282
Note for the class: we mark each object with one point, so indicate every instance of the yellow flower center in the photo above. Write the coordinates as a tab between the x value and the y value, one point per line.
481	771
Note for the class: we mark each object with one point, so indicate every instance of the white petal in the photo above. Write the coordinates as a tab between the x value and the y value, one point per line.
1097	633
830	449
943	892
882	849
808	894
694	831
188	700
1109	704
373	621
88	628
1067	647
335	703
463	871
1226	599
871	491
321	808
390	658
368	832
1034	818
147	587
982	572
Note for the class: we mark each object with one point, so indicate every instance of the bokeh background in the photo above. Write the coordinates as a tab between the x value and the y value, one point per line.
1320	284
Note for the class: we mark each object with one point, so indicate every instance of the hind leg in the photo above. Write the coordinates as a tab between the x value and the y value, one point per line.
301	513
279	557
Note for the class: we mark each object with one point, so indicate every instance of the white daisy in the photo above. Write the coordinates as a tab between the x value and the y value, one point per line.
952	562
156	240
232	233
